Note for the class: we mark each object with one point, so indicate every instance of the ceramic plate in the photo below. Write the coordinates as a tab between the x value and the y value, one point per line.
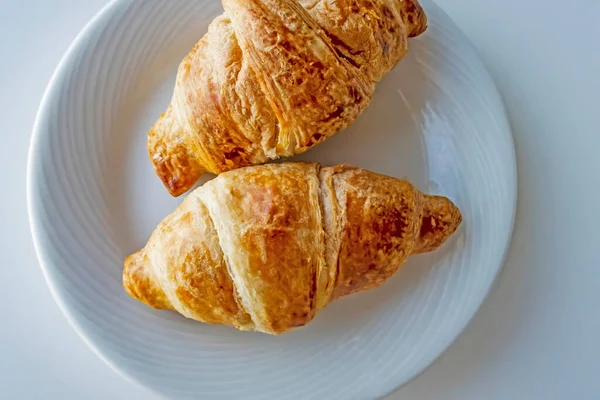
94	199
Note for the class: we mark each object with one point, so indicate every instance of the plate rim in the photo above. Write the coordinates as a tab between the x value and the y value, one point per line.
98	21
105	13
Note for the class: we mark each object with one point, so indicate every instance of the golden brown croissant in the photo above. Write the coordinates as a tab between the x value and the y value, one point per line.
272	78
265	248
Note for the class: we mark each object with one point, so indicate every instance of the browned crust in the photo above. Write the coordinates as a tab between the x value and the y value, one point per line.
440	218
170	155
273	78
183	258
265	248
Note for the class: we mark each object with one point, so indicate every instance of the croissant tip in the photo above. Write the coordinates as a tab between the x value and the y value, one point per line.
139	283
416	18
130	265
177	176
441	218
174	188
174	163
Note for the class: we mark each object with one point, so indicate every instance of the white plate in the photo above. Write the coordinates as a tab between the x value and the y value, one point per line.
94	199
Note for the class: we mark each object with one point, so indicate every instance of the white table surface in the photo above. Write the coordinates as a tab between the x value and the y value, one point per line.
536	337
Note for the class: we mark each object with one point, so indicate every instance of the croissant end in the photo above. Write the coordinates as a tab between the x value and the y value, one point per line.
415	18
170	155
440	220
140	285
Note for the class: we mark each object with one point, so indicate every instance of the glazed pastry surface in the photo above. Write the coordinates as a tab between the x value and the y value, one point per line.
272	78
265	248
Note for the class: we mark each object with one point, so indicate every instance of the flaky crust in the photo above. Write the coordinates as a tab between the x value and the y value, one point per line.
272	78
265	248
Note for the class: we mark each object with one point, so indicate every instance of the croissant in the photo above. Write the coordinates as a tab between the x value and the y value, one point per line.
264	248
272	78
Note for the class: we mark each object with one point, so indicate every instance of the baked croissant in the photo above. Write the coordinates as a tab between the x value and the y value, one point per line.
272	78
265	248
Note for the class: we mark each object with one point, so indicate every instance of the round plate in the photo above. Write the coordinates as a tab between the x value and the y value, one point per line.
94	199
